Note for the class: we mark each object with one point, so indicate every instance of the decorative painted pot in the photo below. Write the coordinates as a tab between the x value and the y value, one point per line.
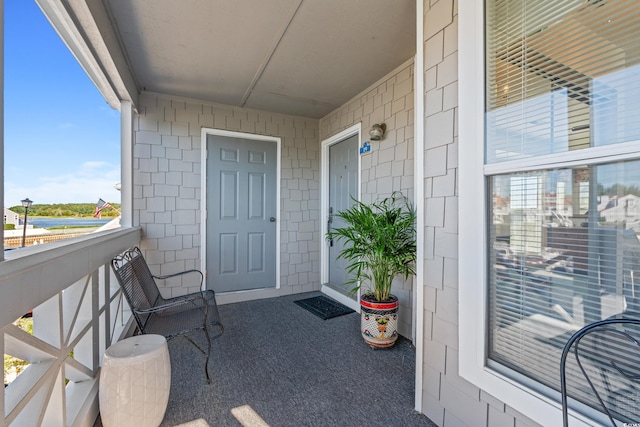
379	321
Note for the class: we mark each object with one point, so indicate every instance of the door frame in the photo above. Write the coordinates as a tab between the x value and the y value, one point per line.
324	209
235	296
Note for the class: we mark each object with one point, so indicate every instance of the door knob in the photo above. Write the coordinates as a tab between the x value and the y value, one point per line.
272	219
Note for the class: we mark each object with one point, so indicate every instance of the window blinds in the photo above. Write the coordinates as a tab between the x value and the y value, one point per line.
561	76
560	260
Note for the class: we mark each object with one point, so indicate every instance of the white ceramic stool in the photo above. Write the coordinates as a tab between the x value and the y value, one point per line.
135	381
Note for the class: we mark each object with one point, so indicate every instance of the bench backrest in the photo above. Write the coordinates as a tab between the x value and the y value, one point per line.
137	282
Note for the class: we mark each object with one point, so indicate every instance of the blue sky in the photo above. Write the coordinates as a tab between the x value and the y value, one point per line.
61	138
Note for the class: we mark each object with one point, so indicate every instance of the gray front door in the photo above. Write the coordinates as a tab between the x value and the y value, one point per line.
241	210
343	187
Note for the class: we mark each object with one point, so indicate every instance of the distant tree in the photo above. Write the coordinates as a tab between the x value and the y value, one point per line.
621	190
633	189
66	210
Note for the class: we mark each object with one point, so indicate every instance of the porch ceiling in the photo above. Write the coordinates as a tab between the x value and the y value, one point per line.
299	57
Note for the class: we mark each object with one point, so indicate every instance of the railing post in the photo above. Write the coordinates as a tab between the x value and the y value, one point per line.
95	319
107	306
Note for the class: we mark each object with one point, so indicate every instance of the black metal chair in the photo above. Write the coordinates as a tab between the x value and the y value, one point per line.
170	317
607	354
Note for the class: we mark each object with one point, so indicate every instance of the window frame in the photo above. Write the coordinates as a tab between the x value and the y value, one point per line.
521	395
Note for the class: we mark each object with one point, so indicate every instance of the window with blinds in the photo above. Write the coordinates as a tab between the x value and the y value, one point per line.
562	76
562	80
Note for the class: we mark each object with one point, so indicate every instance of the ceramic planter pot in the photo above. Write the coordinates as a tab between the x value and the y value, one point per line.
379	321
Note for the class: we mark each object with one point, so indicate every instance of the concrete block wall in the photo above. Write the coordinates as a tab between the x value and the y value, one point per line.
167	190
390	164
447	399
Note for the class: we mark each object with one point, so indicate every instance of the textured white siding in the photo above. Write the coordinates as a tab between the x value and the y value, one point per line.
389	166
167	146
447	399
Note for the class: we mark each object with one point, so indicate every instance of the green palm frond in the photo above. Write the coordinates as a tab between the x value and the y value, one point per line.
380	242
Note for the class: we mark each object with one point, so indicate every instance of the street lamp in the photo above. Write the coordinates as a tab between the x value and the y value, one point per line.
26	203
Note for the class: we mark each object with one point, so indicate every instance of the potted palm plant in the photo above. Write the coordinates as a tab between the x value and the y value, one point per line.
379	245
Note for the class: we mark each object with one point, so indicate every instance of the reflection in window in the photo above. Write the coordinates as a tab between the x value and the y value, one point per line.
562	76
558	261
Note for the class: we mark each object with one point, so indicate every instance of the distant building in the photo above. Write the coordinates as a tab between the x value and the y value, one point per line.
621	209
10	217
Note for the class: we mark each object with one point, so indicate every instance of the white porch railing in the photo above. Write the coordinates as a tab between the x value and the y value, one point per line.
78	312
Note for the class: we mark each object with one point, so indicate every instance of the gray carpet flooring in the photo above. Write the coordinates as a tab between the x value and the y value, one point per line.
292	368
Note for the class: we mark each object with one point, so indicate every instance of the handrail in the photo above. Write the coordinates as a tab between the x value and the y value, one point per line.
78	311
31	275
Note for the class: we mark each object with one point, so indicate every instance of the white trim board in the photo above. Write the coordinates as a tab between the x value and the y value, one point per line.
324	203
418	282
332	293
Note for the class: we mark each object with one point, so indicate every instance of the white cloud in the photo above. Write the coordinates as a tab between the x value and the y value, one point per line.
91	181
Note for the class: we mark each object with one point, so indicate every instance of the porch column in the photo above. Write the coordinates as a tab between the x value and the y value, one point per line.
2	121
126	163
418	141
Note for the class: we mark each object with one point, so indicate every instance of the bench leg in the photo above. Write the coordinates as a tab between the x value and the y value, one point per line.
206	363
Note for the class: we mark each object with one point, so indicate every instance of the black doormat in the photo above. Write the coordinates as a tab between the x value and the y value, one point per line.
324	307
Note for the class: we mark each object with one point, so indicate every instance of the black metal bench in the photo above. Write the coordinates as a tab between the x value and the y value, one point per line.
170	317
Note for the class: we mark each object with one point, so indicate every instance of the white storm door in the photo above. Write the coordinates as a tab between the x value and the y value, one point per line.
241	213
343	188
